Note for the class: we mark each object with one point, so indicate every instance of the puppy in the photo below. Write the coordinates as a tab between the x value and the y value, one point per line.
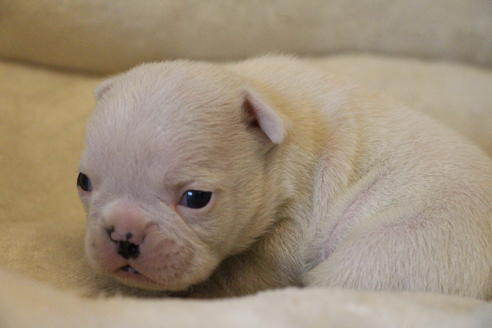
225	180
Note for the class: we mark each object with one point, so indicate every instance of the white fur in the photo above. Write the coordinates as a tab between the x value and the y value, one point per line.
340	188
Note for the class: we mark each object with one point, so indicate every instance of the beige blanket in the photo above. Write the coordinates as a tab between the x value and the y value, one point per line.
107	36
25	304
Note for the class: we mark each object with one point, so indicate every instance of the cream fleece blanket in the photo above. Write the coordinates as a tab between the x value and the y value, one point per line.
42	118
107	36
25	304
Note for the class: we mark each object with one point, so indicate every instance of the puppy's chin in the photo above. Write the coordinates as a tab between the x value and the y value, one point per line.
141	281
174	281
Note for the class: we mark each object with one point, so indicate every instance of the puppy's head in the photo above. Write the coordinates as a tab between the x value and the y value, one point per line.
175	173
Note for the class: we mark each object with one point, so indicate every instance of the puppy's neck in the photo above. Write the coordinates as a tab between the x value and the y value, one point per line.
316	148
318	139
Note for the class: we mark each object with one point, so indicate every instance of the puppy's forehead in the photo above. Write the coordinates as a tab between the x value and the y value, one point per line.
169	90
182	111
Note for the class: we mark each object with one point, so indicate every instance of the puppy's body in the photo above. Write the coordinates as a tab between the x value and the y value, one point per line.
318	183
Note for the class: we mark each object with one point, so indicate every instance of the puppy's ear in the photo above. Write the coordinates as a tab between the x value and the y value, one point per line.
104	86
260	114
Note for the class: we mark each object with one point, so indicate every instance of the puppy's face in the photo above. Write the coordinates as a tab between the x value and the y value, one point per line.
173	173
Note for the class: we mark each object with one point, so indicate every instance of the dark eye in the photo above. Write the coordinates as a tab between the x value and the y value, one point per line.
84	182
195	198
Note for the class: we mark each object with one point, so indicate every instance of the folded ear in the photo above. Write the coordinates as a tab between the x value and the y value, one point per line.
260	114
104	86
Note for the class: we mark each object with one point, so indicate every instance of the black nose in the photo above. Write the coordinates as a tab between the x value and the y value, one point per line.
128	250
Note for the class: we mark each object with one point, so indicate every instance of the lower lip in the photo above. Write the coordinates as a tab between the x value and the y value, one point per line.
130	274
129	269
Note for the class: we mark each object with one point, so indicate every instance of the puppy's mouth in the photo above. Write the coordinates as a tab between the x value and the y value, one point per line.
132	276
129	269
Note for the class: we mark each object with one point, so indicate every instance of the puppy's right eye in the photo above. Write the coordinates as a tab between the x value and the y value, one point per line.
84	182
195	198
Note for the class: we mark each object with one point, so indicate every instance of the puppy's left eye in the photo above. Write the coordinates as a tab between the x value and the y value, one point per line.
84	182
195	198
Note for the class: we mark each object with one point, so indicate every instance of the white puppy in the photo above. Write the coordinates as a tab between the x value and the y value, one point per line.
269	173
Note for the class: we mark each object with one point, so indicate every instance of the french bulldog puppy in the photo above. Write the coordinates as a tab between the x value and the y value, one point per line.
221	180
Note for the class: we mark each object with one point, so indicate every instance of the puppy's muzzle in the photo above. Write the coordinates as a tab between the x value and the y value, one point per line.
126	227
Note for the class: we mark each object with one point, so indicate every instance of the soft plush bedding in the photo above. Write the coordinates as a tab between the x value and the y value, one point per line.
25	304
107	36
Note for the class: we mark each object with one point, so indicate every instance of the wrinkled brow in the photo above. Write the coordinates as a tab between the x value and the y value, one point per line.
188	174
